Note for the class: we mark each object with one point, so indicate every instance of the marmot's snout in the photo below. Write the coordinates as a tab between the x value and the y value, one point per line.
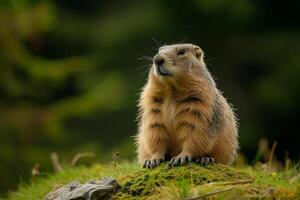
159	62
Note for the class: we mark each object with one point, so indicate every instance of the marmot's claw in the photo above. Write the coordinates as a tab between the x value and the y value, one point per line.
205	160
145	163
151	163
179	160
174	162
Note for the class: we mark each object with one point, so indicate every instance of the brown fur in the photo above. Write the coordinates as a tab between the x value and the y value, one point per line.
184	114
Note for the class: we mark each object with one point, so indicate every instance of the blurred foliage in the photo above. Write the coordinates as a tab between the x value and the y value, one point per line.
70	74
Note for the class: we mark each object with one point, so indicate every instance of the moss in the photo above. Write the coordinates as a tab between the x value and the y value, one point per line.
175	183
149	181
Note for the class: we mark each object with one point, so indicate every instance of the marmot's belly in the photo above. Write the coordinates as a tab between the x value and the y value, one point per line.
174	147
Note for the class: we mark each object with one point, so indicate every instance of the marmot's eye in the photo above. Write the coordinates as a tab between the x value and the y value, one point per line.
181	52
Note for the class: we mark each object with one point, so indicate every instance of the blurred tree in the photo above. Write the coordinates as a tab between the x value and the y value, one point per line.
40	93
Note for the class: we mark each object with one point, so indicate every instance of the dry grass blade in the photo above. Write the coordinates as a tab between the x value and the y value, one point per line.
210	194
55	162
78	156
35	171
232	182
271	156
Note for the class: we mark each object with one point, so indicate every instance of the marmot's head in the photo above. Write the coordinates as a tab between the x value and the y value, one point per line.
173	61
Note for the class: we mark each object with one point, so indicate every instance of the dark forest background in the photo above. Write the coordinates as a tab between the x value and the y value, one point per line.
70	73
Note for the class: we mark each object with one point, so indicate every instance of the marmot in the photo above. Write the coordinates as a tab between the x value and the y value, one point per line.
182	114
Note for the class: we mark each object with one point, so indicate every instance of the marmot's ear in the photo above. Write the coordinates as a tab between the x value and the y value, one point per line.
198	52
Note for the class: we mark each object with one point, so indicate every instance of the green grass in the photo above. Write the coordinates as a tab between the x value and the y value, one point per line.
176	183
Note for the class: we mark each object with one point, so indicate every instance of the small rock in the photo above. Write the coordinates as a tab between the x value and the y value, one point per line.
91	190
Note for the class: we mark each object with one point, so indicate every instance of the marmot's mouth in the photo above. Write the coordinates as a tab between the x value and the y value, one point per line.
162	71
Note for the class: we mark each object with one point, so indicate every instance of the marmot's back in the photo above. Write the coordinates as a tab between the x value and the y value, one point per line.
182	113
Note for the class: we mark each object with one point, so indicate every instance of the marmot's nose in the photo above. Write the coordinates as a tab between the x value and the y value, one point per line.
159	60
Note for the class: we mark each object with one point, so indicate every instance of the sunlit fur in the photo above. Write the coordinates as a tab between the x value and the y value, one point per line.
184	114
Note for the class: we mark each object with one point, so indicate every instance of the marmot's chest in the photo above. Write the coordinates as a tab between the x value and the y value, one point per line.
170	115
171	111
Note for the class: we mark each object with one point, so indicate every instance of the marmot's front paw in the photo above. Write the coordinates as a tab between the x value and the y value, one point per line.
180	160
205	160
153	162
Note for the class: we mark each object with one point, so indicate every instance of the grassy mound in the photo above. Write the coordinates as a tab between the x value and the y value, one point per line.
185	182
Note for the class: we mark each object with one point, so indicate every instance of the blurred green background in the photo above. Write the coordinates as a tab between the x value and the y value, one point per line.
70	73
